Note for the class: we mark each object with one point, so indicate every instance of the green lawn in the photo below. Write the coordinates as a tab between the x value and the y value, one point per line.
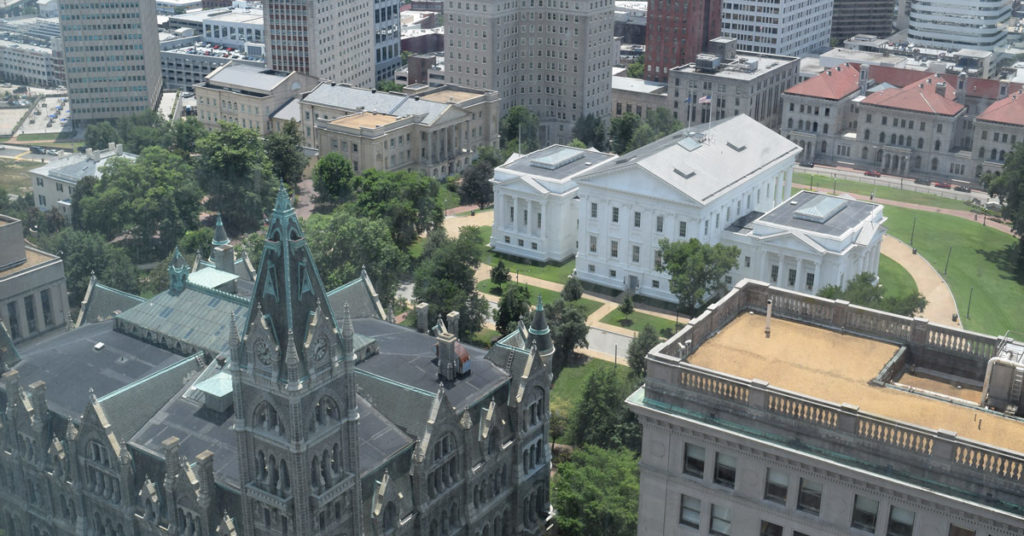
895	279
982	258
637	321
568	388
14	176
470	213
449	198
824	184
556	273
549	296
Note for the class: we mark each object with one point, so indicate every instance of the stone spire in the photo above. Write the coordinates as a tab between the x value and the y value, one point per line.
539	333
348	346
177	272
220	236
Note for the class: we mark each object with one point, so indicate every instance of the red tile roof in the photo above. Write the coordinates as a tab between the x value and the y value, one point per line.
1009	110
918	97
833	84
984	88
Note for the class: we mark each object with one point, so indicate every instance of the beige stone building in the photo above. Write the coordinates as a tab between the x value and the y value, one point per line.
33	292
637	96
436	132
552	57
828	418
997	130
247	95
54	183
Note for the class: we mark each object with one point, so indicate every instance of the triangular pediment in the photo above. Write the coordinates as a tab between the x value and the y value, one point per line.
633	181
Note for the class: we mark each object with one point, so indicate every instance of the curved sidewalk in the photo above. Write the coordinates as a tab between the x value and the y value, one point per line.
941	305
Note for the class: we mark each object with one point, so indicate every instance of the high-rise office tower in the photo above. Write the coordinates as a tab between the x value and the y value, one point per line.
112	57
677	32
552	56
955	24
872	17
387	38
329	40
786	27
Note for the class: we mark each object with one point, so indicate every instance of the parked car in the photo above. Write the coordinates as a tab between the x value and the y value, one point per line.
873	173
922	181
943	185
962	188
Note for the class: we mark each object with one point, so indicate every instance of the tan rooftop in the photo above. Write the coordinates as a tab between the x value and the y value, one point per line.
837	368
365	120
33	258
448	96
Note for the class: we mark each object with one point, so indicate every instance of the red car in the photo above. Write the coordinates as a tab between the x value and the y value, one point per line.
872	173
943	185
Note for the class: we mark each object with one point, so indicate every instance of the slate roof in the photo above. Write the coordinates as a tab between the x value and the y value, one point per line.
291	111
102	302
74	167
706	161
350	98
247	76
70	365
833	84
407	357
551	168
130	407
198	316
921	97
851	213
1008	111
361	302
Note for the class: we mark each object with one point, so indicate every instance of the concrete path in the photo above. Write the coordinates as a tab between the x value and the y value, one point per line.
941	305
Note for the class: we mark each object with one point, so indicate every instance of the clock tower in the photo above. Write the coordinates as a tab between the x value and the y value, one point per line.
296	417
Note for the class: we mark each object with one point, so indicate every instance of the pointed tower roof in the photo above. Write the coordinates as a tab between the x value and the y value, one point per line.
8	353
539	332
177	272
220	236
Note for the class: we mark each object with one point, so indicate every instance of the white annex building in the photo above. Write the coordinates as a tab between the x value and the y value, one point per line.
725	182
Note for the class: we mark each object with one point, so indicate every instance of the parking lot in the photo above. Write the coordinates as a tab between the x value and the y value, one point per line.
50	116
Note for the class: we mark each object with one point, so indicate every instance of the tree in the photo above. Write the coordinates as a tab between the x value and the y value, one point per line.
569	330
622	129
601	418
476	185
234	171
576	143
154	200
626	307
1009	186
638	349
343	243
662	122
444	278
85	188
643	135
590	130
635	69
85	253
185	133
407	201
143	129
333	178
200	240
597	492
697	270
862	290
99	135
513	305
520	130
499	274
573	289
389	85
284	149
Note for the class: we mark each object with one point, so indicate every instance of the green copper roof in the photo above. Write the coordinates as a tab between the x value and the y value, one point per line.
220	236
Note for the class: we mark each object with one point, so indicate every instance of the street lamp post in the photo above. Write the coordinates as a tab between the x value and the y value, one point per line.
912	229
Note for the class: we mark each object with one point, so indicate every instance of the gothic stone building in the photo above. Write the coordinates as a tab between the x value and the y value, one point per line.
281	410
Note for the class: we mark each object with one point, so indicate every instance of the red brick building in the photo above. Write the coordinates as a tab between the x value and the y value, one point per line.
677	32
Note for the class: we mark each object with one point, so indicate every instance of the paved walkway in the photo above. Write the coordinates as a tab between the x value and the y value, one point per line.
941	305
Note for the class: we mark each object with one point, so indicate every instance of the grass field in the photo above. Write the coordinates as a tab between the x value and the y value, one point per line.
549	296
556	273
895	279
449	198
14	176
982	258
637	321
824	184
568	388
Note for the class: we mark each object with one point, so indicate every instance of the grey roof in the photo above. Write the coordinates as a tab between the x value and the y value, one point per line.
210	277
407	357
248	76
290	111
129	408
198	316
75	167
548	168
104	302
379	439
819	213
638	85
70	365
356	293
351	98
706	161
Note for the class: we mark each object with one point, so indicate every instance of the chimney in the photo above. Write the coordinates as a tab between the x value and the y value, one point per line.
88	153
453	323
940	89
863	80
119	149
447	360
111	146
422	317
1004	88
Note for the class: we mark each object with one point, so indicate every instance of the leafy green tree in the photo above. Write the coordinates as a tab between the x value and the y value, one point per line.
333	178
601	418
284	149
590	130
573	289
499	274
638	349
389	85
635	69
662	122
862	290
234	171
514	304
143	129
200	240
85	253
343	243
597	492
569	330
185	133
643	135
86	187
154	200
444	278
251	245
409	202
697	270
520	126
626	307
622	129
576	143
99	135
1009	186
476	185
